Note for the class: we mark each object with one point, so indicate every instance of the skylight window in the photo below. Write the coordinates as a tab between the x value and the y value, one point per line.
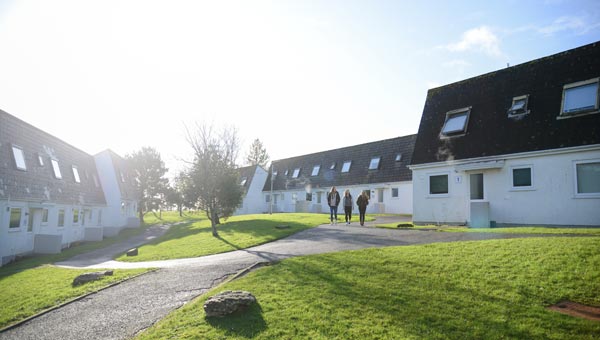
456	122
296	173
346	166
398	157
332	166
76	174
56	169
244	180
315	171
19	157
519	106
40	160
374	165
286	172
580	97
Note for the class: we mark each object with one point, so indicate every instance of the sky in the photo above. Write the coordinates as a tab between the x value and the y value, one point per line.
300	76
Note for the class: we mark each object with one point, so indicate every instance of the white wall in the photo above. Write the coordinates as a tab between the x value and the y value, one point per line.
551	200
253	202
112	215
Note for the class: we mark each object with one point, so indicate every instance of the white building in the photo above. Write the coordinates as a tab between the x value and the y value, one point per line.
519	146
252	179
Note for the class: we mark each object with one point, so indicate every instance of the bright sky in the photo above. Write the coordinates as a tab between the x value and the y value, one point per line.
302	76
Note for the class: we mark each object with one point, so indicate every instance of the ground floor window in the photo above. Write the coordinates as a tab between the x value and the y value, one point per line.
438	184
75	216
44	216
61	218
522	177
587	176
15	218
394	192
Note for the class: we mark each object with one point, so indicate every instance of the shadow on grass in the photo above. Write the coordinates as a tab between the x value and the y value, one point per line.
247	323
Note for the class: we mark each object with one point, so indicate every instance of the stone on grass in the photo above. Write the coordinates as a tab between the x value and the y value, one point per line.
228	302
132	252
87	277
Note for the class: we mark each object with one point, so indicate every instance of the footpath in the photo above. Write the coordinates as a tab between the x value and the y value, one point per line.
123	310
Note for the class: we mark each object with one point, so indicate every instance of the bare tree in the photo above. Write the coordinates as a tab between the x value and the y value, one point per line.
213	178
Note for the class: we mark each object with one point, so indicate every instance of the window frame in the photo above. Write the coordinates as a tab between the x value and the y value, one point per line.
436	195
10	219
397	190
296	173
45	217
398	157
564	115
512	178
575	179
315	171
378	158
76	176
522	112
451	114
344	166
56	168
21	157
40	159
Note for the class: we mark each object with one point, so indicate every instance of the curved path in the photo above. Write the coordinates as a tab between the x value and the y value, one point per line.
121	311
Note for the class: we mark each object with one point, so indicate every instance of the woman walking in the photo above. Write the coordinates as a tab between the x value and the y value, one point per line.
362	202
333	199
348	206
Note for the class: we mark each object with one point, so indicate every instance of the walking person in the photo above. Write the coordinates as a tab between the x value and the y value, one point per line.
348	206
362	202
333	199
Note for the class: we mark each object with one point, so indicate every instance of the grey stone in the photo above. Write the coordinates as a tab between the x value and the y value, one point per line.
132	252
87	277
228	302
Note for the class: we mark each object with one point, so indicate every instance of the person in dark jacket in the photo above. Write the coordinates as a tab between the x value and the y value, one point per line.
362	202
333	199
348	206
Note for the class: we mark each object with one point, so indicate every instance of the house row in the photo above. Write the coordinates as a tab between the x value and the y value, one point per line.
53	194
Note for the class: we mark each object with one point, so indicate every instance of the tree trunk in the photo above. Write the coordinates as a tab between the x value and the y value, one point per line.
213	222
180	209
141	213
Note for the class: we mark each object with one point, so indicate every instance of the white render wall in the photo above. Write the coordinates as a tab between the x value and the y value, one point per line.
253	200
552	200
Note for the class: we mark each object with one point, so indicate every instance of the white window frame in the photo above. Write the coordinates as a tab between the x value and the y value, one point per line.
315	170
19	157
296	173
76	174
517	113
56	168
564	115
583	195
21	211
433	174
450	115
512	181
346	166
374	163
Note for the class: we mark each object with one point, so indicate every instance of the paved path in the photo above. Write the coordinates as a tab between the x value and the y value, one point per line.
121	311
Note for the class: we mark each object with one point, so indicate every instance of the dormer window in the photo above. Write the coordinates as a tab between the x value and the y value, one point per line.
580	97
398	157
456	122
374	165
346	166
519	106
76	174
296	173
19	157
315	171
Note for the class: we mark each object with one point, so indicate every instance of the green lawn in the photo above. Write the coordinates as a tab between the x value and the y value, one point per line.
496	289
514	230
195	238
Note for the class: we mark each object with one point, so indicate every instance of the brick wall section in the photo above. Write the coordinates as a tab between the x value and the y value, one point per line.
37	183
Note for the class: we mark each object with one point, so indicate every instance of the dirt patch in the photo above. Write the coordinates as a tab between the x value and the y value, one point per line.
577	310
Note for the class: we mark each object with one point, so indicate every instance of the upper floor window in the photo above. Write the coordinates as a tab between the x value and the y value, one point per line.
456	122
296	173
274	173
519	106
398	157
346	166
76	174
315	170
580	97
19	157
40	160
56	169
332	166
244	180
374	163
286	173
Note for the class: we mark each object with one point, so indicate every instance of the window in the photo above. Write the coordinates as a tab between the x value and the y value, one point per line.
296	173
395	192
19	157
332	166
519	106
374	165
40	160
522	177
286	173
61	218
15	218
308	196
456	122
75	216
438	184
398	157
346	166
267	198
44	216
99	217
56	169
76	174
244	180
315	171
580	97
587	176
274	174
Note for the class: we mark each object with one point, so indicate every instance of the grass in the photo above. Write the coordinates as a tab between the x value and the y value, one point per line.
496	289
527	230
195	239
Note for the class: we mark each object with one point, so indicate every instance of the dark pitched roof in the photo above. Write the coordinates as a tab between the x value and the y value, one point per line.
389	169
490	132
37	183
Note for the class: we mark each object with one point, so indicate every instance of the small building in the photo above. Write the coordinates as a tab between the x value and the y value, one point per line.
252	179
519	146
301	184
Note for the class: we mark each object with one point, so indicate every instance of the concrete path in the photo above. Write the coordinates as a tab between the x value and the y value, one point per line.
121	311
